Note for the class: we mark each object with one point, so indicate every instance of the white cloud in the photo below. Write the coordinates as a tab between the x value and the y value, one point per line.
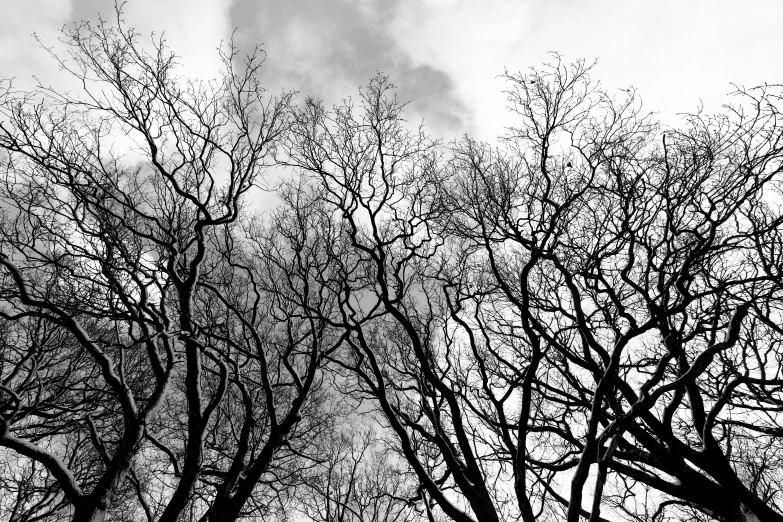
20	55
472	41
675	52
194	30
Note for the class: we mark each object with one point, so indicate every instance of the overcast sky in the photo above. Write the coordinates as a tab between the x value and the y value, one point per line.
444	55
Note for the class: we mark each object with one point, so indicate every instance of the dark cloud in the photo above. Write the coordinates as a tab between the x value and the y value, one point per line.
328	49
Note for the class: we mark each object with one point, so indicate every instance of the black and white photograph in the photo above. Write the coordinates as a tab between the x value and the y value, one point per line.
391	261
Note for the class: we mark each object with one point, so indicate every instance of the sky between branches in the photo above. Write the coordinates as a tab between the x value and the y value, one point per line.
444	55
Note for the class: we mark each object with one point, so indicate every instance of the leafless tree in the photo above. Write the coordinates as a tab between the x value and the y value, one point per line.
357	480
270	287
159	353
627	255
582	320
595	292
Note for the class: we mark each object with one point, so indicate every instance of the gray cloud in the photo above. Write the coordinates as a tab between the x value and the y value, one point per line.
328	49
89	10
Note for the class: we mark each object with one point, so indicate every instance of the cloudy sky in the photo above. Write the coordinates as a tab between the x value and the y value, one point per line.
444	55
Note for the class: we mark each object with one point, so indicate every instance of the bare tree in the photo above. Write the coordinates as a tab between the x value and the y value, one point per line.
384	181
580	321
627	254
270	288
356	480
595	292
112	274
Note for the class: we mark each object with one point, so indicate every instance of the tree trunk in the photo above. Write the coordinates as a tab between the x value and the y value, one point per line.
745	515
223	509
90	512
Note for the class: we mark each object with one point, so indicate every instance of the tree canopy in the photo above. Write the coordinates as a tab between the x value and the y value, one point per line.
580	321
